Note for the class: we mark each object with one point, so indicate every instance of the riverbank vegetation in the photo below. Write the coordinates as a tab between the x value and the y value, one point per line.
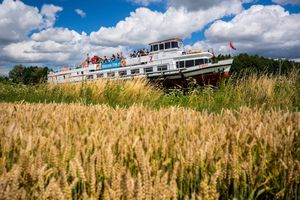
264	91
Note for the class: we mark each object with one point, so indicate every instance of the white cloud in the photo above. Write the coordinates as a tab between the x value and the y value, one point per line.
265	30
49	12
17	20
80	12
56	46
285	2
144	25
57	35
32	51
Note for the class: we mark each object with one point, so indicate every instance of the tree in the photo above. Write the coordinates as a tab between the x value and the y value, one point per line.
17	74
4	80
244	63
28	75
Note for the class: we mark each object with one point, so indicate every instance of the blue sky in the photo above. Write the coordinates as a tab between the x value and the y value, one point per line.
60	32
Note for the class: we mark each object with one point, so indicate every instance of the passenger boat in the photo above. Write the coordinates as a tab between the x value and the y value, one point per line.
167	63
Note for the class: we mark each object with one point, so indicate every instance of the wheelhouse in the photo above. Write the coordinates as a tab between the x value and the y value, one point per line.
166	45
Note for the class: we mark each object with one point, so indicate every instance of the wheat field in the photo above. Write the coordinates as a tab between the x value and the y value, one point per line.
60	151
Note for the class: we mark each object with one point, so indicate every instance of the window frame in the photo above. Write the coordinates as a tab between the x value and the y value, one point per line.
162	68
186	61
167	47
146	69
174	42
134	70
161	45
111	74
200	63
100	75
122	73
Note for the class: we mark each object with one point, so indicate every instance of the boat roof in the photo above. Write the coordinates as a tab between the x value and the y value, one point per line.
171	39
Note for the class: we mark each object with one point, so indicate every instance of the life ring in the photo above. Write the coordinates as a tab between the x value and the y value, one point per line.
123	63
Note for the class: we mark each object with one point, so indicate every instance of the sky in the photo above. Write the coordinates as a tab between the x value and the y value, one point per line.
57	33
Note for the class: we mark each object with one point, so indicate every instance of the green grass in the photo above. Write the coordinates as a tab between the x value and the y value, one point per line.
268	92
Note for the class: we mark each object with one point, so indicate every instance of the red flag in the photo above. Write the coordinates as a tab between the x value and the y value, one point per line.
231	46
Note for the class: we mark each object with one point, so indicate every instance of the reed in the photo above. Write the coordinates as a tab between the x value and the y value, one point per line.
62	151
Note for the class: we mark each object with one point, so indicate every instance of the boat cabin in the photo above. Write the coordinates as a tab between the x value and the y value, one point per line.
166	45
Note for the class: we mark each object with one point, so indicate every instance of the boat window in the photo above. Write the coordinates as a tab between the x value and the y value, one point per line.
174	44
149	69
110	74
81	72
122	73
151	48
135	71
155	47
180	64
162	68
189	63
89	77
199	62
161	47
99	75
167	45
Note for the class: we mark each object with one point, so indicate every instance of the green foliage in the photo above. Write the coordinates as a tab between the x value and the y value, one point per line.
245	63
28	75
4	80
268	92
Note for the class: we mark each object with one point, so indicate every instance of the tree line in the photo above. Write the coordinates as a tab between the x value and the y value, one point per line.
243	63
28	75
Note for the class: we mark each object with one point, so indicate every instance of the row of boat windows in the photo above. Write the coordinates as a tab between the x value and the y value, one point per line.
163	46
132	72
191	63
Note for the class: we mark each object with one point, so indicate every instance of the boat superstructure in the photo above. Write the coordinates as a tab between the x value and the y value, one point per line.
167	62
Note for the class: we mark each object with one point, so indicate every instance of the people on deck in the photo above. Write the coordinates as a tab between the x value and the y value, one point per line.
105	59
139	53
87	60
97	60
113	57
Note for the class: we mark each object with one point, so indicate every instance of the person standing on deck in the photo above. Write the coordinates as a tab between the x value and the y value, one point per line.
87	60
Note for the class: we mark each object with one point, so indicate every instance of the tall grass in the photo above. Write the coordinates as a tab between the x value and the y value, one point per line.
268	92
57	151
264	91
